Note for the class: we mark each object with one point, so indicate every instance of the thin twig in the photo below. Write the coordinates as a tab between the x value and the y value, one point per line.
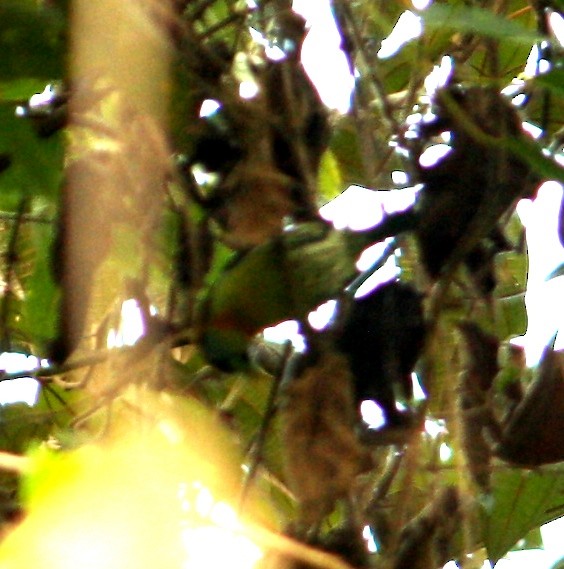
257	445
235	17
378	264
198	11
24	218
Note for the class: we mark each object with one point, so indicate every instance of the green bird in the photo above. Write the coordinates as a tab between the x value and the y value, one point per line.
282	279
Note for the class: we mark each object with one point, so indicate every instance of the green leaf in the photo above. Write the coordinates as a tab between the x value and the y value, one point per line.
220	16
36	164
545	101
521	500
511	313
26	300
39	311
533	540
62	405
22	89
510	58
345	148
471	19
329	181
553	81
511	317
511	273
529	151
20	426
381	17
31	40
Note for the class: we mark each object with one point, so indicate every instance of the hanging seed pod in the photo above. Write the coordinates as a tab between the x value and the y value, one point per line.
533	435
479	365
467	192
323	455
382	337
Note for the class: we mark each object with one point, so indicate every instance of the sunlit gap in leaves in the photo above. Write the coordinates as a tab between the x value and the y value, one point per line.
550	253
273	52
373	415
435	428
248	86
407	28
556	22
209	107
369	537
539	217
130	327
421	4
24	389
322	44
202	176
535	65
39	100
543	297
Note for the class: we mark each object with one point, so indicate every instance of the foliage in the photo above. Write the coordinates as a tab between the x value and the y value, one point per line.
115	186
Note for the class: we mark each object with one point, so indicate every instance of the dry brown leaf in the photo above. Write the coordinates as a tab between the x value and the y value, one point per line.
323	455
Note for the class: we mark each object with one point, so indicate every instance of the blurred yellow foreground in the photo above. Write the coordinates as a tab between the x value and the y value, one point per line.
158	492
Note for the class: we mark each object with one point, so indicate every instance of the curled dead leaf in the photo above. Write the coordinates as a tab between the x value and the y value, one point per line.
323	455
